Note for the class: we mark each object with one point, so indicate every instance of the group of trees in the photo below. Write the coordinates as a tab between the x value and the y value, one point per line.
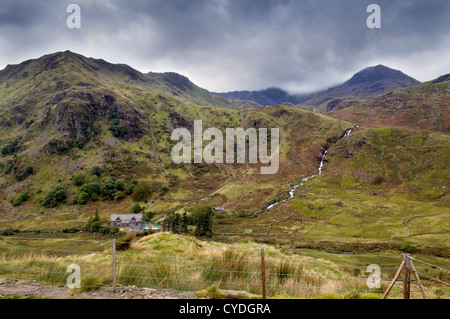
201	219
10	148
94	225
54	197
90	188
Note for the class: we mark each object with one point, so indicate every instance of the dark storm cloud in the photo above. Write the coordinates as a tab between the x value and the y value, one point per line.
223	45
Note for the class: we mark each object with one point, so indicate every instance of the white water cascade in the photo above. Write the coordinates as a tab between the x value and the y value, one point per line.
303	180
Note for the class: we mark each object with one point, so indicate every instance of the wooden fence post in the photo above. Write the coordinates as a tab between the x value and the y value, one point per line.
402	265
263	275
419	283
406	278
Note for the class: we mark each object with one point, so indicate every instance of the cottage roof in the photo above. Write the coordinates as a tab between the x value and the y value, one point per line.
126	217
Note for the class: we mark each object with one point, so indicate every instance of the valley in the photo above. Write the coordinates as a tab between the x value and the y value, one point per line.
360	171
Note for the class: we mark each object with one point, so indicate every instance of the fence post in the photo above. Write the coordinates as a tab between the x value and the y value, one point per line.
114	265
402	265
406	278
418	281
263	275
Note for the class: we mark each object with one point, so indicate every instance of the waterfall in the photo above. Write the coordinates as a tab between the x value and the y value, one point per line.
303	180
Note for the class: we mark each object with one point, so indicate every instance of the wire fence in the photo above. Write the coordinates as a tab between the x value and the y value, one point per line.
192	266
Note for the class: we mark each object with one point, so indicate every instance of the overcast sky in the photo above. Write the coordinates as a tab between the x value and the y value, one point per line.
225	45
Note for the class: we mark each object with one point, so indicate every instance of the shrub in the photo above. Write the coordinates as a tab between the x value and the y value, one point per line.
53	198
93	224
96	170
82	198
408	247
142	191
120	185
125	242
116	130
79	180
136	209
69	230
130	187
109	188
96	226
148	216
9	232
79	144
90	188
10	148
118	196
242	213
23	172
146	233
22	197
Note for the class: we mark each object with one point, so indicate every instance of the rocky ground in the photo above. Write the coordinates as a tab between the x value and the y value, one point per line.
19	289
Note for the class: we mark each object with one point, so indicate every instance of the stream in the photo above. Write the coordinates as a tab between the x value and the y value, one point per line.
303	180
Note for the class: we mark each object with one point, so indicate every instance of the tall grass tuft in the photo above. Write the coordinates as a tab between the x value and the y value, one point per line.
53	272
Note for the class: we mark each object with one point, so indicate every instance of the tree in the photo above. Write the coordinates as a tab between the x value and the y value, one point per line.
109	188
172	223
54	197
136	209
148	216
130	187
203	220
142	191
96	170
93	224
82	198
184	222
79	180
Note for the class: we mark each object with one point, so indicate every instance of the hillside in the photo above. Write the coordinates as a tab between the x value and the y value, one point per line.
64	114
271	96
79	136
366	83
371	81
424	107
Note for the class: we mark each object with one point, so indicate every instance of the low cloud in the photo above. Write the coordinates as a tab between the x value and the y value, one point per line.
223	45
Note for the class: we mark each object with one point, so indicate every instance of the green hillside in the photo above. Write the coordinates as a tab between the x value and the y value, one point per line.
80	135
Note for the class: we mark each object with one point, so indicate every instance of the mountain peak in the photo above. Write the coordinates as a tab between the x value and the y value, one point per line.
383	73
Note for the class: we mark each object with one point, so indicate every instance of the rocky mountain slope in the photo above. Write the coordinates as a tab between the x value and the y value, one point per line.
371	81
80	135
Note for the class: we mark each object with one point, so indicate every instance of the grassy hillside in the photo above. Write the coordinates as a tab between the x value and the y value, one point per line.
64	115
215	270
424	107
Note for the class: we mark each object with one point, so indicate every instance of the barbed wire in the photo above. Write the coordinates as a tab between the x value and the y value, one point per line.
56	250
428	289
432	278
52	272
122	266
187	268
349	254
433	266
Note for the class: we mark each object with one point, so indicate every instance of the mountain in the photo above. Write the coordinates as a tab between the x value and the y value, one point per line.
81	135
63	114
425	107
371	81
441	79
271	96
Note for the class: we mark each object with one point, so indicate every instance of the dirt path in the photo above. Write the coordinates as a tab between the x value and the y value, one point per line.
13	288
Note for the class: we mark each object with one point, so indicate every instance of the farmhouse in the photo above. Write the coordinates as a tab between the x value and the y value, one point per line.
130	222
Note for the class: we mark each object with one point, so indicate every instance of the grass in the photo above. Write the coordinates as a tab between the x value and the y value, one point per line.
184	263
